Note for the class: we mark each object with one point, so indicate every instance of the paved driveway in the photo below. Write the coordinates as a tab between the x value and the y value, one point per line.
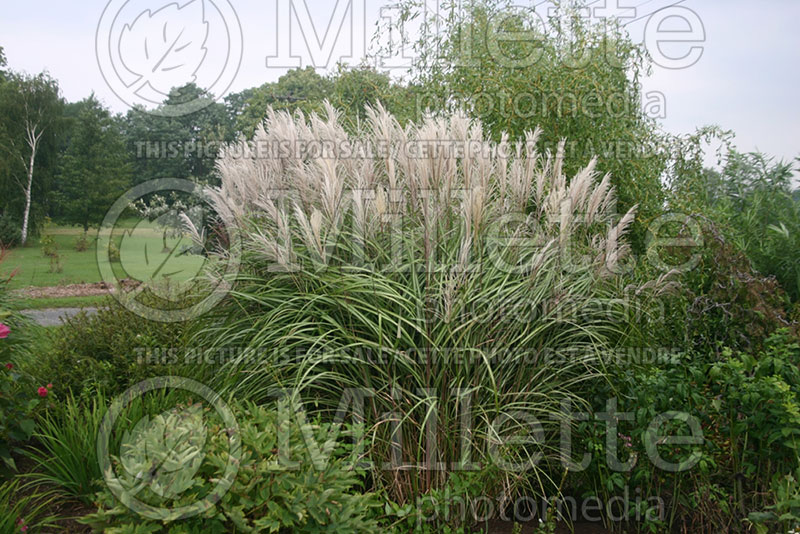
52	317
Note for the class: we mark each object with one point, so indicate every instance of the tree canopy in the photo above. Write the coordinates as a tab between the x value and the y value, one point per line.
31	108
576	80
95	166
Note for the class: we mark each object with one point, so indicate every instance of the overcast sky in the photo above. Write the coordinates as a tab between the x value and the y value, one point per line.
746	78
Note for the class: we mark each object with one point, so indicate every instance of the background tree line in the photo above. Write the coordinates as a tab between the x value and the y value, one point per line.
69	161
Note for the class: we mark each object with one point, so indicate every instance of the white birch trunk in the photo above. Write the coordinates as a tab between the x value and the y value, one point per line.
28	195
33	143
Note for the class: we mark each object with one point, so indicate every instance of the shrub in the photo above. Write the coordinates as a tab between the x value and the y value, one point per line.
113	252
267	495
18	392
55	263
106	351
748	407
18	401
758	205
82	243
10	232
439	280
49	246
730	303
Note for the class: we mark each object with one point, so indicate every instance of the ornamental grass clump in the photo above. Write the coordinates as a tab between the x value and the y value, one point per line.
458	293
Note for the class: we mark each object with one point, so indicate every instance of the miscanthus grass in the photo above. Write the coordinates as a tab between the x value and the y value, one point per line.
467	289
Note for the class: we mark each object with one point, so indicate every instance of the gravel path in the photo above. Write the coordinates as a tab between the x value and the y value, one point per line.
52	317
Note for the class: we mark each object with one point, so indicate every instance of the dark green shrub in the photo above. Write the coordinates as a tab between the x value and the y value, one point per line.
10	231
729	303
758	205
748	407
106	351
113	252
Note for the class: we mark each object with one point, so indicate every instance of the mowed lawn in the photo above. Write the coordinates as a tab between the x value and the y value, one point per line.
144	255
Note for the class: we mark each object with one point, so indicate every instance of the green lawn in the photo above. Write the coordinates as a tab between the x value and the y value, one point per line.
33	267
142	251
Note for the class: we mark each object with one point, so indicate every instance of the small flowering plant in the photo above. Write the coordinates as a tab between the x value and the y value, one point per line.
19	397
18	400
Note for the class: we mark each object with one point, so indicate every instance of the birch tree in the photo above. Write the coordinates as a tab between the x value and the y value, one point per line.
31	109
2	64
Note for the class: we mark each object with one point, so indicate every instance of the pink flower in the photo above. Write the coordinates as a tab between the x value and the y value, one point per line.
9	366
50	386
42	391
24	528
4	331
